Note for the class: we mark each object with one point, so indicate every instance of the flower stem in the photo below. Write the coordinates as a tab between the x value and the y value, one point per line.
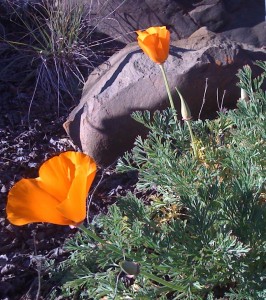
168	91
114	249
161	281
193	142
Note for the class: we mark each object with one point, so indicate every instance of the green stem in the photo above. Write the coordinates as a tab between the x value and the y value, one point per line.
193	142
143	272
168	91
161	281
95	237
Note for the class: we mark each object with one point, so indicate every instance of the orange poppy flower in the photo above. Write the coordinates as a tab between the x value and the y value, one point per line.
57	196
155	42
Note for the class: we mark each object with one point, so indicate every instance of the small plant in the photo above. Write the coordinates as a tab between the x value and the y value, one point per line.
202	233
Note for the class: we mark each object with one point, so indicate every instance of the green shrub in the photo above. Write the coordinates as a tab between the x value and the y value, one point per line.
202	229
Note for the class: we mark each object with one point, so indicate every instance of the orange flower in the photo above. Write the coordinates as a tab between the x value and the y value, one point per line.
57	196
155	42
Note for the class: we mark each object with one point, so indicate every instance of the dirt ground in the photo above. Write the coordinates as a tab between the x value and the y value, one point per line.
30	132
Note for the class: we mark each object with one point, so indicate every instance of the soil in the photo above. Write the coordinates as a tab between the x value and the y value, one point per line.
31	132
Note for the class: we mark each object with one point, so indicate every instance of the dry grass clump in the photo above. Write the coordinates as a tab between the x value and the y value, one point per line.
55	46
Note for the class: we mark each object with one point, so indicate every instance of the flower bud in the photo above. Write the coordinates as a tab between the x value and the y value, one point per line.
185	111
130	267
155	42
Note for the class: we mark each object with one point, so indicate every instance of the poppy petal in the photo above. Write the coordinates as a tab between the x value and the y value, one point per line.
154	30
141	34
28	203
74	206
77	158
148	45
56	175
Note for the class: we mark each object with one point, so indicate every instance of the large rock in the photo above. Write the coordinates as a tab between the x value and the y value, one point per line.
241	20
254	35
120	18
212	15
101	124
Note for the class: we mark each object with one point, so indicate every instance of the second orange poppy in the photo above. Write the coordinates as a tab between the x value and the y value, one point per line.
155	42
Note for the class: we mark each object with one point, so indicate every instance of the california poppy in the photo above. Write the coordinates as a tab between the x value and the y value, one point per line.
57	196
155	42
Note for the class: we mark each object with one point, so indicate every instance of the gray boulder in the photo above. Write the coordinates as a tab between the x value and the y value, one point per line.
101	124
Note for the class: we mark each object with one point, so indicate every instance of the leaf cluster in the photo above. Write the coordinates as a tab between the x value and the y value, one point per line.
203	230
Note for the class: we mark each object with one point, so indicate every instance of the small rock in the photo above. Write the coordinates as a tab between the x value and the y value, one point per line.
3	259
7	269
3	189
